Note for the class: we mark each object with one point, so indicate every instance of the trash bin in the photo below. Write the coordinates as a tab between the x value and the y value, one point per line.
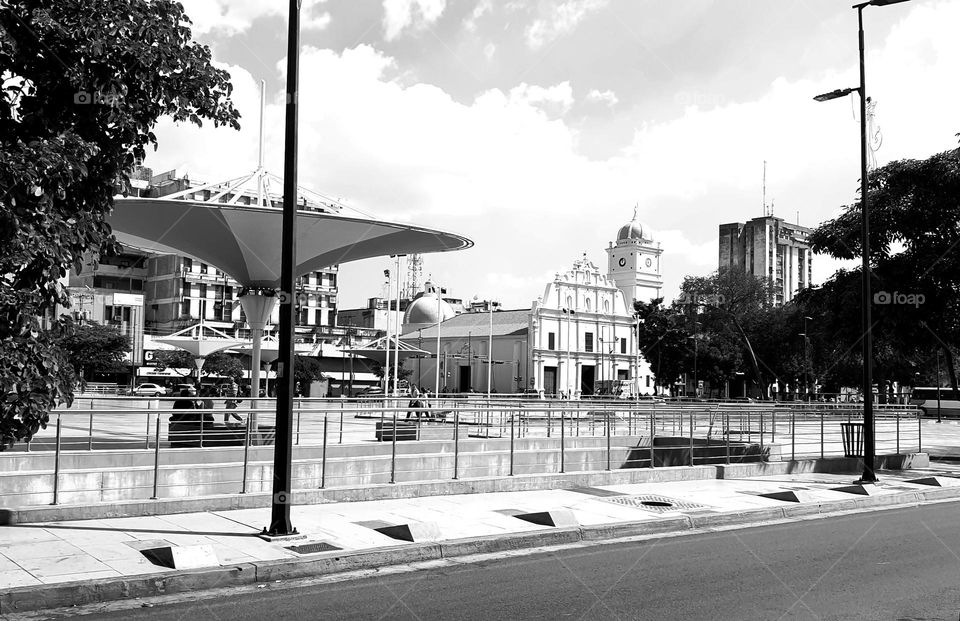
852	439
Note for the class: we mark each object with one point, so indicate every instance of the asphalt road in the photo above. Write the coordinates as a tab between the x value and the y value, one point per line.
900	564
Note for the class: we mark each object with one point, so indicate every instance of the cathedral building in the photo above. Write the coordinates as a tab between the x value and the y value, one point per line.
577	339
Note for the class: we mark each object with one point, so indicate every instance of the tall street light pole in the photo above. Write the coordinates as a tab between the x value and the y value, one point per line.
280	524
869	440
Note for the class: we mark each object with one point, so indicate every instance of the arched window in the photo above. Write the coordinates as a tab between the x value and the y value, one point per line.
606	306
587	303
569	302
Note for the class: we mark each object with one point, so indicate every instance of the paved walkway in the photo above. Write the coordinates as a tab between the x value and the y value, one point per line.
50	553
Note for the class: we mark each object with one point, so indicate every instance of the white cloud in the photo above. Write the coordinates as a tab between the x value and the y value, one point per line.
607	97
399	15
557	19
315	21
230	17
489	50
556	99
483	7
504	168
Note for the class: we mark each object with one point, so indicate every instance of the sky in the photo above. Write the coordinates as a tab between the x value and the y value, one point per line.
534	127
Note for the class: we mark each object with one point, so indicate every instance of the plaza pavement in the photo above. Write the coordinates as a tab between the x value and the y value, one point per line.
65	563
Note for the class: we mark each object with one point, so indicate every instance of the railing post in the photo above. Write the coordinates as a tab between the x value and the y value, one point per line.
156	461
653	434
393	449
246	455
821	434
691	437
456	443
56	467
793	436
511	442
383	410
341	422
323	455
898	433
298	427
773	426
726	442
548	422
608	438
919	433
562	435
146	436
761	434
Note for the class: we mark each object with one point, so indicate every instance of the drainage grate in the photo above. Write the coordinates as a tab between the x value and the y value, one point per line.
652	502
313	548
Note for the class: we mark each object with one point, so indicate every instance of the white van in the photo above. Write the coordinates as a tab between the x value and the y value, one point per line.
926	399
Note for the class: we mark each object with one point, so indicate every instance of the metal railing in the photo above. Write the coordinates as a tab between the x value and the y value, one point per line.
342	442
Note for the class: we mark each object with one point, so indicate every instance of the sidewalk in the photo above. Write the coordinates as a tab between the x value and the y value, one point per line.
57	564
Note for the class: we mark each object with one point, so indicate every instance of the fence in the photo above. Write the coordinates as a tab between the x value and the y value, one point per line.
118	449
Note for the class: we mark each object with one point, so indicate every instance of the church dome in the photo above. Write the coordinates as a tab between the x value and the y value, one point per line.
633	230
424	310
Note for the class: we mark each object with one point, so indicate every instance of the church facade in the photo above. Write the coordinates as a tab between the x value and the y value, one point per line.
577	339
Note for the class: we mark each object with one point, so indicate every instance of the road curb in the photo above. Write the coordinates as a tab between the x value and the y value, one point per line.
24	599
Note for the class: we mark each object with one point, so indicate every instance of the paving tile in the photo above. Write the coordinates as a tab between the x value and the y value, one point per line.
44	568
17	578
111	551
76	576
7	564
14	535
134	567
28	552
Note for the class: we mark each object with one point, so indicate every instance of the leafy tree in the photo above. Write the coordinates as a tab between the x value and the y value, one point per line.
306	370
175	360
735	304
93	348
663	340
224	365
83	86
914	241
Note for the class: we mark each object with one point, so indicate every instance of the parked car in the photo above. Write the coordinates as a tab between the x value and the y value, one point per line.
149	390
926	399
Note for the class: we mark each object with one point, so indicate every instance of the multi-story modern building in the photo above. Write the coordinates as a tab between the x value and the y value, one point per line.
770	248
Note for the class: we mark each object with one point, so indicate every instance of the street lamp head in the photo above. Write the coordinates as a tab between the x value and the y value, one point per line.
837	94
885	2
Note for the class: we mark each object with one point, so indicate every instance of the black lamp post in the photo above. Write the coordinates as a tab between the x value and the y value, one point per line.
869	443
280	524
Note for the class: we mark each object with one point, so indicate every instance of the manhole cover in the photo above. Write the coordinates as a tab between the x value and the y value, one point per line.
313	548
653	502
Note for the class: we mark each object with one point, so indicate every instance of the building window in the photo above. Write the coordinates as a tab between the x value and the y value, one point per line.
551	341
588	341
623	346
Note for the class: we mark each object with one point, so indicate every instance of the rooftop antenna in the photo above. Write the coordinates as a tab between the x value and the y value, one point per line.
764	187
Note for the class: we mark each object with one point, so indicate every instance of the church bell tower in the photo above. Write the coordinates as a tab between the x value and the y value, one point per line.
634	263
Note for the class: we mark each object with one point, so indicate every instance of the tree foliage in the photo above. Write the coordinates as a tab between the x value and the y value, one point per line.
93	348
83	86
914	209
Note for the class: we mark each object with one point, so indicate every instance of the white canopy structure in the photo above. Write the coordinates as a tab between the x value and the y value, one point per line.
377	350
235	226
200	341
